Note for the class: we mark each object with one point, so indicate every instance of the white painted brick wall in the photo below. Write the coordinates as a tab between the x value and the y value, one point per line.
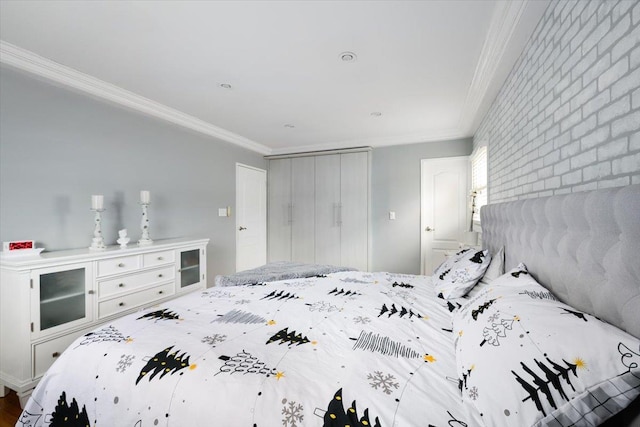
568	116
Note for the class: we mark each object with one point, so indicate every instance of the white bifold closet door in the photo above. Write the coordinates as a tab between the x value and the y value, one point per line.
303	209
291	210
279	210
354	210
342	204
328	210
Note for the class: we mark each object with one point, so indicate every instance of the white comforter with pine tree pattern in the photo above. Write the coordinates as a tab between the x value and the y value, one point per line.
352	348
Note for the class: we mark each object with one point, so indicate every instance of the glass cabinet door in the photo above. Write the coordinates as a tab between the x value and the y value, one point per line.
61	297
189	268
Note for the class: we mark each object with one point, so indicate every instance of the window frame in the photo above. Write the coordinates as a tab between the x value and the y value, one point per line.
478	163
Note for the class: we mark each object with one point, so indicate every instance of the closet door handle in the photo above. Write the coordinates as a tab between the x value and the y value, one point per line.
340	214
290	220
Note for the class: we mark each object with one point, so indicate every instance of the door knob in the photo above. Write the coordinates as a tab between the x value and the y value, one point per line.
242	228
429	229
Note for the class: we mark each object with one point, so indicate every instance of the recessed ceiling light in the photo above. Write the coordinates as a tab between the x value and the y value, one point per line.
376	114
290	126
348	56
225	85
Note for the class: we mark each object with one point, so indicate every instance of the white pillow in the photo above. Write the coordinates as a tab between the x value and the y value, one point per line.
523	358
496	267
459	273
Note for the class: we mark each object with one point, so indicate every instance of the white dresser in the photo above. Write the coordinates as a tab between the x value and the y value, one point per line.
47	302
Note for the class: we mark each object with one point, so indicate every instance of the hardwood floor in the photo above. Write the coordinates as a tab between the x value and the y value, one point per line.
9	410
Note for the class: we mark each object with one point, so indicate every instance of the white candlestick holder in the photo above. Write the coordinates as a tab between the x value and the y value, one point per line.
144	225
97	243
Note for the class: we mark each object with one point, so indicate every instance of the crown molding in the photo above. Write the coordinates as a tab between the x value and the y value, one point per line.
445	135
505	19
30	62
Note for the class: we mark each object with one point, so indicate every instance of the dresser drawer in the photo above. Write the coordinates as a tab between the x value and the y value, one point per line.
158	258
128	283
118	265
46	353
125	302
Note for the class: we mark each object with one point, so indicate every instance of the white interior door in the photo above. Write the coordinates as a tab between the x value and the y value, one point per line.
251	217
444	208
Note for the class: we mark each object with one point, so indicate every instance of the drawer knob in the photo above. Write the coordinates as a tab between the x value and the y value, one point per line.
160	292
55	354
121	265
121	285
159	275
121	304
91	292
160	258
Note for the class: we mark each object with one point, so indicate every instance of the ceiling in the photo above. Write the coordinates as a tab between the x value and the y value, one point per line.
430	68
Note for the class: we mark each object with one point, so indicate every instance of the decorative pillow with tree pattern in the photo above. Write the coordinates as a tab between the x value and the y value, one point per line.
524	358
458	274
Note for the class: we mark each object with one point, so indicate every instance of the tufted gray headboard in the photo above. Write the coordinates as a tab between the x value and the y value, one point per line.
584	247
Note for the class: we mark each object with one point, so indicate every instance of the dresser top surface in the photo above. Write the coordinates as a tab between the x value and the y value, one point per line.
85	254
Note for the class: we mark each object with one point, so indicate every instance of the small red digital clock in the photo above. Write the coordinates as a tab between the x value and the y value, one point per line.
18	245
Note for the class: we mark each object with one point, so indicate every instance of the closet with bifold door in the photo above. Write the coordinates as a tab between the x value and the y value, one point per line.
319	208
291	204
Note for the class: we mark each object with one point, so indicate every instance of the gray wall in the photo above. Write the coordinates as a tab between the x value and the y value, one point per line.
568	117
57	148
395	186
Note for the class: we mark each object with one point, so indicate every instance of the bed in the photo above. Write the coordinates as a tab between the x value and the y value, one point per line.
384	349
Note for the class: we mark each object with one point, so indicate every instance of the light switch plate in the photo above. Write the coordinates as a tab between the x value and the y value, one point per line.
392	215
222	211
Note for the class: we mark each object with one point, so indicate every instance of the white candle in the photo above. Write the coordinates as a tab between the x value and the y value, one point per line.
97	201
145	197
